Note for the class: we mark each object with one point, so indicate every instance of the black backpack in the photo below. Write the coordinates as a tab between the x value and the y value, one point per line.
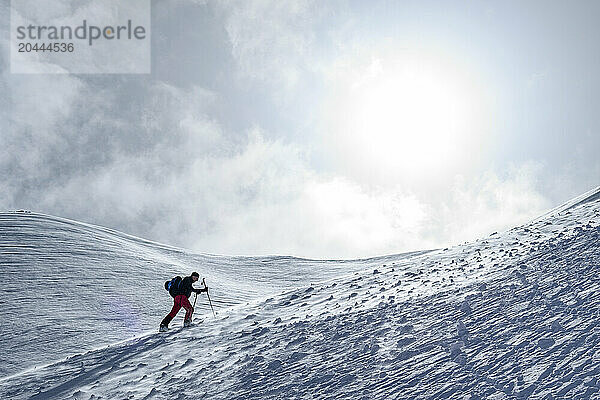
174	286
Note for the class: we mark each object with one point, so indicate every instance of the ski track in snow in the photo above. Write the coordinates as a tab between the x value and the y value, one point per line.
512	316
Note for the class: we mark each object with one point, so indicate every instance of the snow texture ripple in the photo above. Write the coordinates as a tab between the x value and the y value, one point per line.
68	287
511	316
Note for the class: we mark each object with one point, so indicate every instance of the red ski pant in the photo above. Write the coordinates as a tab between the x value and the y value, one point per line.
181	301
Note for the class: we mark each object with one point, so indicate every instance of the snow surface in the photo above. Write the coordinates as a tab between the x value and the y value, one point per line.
511	316
68	287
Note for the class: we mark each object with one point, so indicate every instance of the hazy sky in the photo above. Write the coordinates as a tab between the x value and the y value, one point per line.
321	129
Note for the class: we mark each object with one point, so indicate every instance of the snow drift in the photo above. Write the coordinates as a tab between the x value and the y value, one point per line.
68	287
514	315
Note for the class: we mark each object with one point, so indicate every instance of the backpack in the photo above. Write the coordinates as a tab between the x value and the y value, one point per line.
174	286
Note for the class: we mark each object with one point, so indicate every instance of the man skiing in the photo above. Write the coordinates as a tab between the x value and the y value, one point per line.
180	299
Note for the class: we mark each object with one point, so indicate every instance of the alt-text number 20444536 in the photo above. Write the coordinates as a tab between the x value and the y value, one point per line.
25	47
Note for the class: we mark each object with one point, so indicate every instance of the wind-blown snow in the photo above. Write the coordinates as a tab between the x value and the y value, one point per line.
68	287
514	315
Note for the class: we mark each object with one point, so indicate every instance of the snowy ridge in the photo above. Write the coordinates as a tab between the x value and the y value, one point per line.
588	196
72	286
511	316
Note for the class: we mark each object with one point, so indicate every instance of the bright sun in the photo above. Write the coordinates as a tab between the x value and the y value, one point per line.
412	119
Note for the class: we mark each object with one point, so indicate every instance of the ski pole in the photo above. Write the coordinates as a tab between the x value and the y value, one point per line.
195	298
208	295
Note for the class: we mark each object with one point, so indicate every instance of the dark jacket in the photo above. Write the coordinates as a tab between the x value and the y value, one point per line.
186	287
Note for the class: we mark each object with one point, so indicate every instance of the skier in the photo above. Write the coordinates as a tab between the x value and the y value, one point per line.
180	299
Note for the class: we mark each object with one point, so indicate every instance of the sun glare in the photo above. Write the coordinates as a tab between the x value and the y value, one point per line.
413	120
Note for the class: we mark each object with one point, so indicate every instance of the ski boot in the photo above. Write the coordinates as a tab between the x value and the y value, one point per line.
164	324
187	323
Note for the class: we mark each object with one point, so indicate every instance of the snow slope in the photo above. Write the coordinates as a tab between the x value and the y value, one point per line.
514	315
68	286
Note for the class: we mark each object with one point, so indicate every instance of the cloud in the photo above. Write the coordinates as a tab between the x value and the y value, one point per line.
491	202
161	168
272	41
301	212
155	160
537	79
